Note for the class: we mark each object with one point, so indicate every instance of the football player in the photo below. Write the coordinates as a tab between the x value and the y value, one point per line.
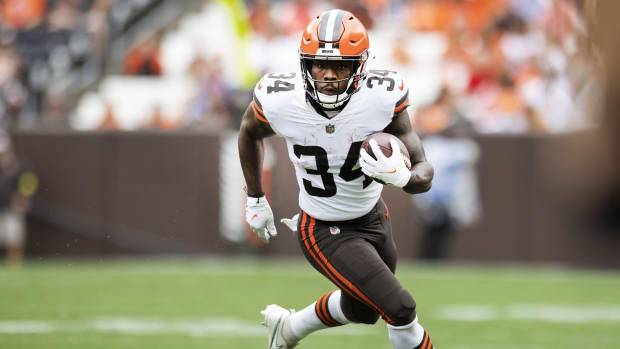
324	113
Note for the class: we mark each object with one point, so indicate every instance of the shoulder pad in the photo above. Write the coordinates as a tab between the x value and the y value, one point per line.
274	84
391	88
272	90
274	93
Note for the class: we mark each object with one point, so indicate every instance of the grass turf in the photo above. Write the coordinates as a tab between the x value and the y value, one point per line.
176	294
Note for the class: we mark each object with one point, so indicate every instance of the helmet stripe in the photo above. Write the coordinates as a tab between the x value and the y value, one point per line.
323	29
337	26
328	23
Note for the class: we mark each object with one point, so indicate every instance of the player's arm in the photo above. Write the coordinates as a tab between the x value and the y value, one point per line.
258	214
250	142
421	170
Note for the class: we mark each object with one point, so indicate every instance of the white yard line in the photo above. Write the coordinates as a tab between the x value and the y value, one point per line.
533	312
202	327
304	271
26	326
467	313
227	327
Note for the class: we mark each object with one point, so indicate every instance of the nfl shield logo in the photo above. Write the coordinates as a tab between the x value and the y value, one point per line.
334	230
330	128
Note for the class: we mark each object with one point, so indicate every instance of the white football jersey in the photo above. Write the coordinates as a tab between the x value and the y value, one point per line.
325	151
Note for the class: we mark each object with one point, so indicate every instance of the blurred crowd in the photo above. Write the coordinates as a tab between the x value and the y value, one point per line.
51	51
507	66
489	66
42	43
501	66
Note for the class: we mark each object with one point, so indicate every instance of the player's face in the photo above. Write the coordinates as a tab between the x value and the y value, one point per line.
331	70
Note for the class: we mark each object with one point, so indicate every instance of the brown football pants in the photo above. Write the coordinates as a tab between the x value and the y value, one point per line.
359	257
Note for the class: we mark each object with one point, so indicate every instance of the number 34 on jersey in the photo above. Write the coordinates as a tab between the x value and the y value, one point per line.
325	151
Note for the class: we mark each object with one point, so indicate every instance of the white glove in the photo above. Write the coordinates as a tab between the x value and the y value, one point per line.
390	170
291	223
259	216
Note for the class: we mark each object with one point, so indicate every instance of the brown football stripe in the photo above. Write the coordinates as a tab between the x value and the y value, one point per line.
304	236
350	287
403	98
317	260
257	114
402	106
304	219
259	107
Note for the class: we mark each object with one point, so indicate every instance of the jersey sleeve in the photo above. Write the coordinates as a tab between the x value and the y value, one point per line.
274	97
391	89
257	105
400	96
402	103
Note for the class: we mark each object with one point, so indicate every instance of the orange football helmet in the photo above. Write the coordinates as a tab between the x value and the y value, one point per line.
334	35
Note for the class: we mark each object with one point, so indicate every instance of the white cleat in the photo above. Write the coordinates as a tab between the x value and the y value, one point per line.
275	316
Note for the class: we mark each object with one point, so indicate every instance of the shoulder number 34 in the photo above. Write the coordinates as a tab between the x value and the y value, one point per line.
381	78
281	85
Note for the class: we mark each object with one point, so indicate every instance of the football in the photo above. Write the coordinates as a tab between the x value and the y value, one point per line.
383	141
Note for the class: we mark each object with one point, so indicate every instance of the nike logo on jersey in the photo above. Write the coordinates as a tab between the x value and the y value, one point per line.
254	216
260	85
402	85
390	172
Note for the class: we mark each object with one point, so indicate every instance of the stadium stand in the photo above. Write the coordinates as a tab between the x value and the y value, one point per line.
508	66
62	49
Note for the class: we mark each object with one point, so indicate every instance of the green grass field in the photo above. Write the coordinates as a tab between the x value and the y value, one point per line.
216	303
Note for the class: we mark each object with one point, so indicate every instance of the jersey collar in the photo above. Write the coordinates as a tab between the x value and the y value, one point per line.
317	107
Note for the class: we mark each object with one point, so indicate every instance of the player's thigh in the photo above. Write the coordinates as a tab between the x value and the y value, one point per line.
372	282
357	309
361	263
385	245
350	258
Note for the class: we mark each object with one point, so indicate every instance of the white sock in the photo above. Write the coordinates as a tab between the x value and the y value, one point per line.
408	336
334	308
304	322
315	317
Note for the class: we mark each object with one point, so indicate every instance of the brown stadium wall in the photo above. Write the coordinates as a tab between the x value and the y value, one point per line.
110	193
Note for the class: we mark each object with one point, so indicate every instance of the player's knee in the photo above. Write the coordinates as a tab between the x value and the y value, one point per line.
368	318
401	308
359	313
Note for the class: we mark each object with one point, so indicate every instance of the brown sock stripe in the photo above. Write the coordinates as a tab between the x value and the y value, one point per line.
430	344
317	310
323	313
424	341
328	315
321	307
